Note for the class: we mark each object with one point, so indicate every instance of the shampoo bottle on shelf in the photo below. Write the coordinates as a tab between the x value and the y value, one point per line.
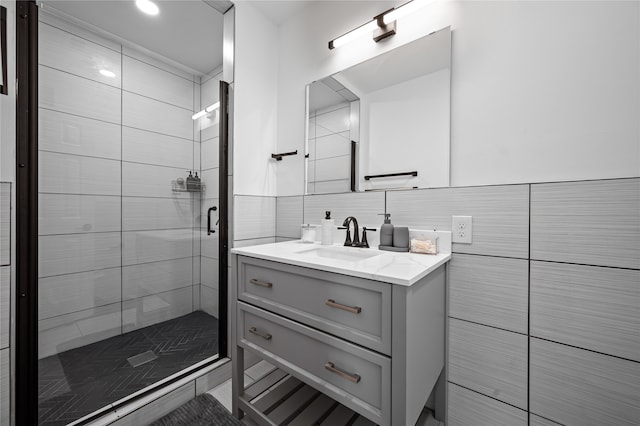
327	229
386	231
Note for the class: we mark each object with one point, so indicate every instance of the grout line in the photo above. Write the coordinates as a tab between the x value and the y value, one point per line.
78	115
479	254
115	231
585	349
83	77
120	160
542	417
68	31
586	264
488	396
529	311
487	325
157	67
160	101
121	303
178	197
121	201
116	266
156	133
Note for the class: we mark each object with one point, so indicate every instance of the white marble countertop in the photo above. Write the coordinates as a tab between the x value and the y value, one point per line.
392	267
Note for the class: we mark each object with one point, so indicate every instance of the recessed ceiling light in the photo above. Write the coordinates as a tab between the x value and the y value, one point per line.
108	73
148	7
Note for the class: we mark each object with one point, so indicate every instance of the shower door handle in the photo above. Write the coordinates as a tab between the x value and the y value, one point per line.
209	230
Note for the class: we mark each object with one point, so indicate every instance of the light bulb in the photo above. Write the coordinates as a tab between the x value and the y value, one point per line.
108	73
148	7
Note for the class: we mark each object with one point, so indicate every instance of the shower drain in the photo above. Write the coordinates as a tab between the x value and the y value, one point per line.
143	358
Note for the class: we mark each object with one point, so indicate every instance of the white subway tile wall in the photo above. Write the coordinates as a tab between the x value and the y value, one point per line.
567	312
119	247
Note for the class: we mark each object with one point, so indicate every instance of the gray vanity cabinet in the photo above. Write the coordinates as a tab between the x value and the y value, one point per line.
375	347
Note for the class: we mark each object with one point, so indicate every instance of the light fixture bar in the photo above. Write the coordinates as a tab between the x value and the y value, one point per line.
406	9
381	26
205	111
354	34
198	115
212	107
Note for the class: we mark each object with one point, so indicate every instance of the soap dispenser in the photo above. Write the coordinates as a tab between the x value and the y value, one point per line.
327	229
386	231
197	183
191	182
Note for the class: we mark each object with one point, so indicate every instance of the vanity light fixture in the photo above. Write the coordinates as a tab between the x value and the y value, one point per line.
381	26
198	115
205	111
148	7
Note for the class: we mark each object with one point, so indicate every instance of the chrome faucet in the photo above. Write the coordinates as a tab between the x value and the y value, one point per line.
356	238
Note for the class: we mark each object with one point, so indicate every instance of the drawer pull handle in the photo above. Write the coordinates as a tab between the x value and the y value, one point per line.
352	309
354	378
265	336
261	283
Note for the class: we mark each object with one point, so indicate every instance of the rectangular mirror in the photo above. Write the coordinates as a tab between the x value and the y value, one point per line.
384	123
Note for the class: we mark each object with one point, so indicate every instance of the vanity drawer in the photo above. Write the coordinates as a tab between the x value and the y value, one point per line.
330	364
356	309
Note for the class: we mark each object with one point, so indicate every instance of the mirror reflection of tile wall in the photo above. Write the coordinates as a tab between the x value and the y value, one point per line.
331	131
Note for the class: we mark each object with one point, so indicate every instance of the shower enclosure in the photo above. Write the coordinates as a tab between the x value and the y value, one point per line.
128	211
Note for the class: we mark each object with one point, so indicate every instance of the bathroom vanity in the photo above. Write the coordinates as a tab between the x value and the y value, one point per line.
365	327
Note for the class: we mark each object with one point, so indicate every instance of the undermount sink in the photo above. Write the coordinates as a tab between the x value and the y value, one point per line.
340	253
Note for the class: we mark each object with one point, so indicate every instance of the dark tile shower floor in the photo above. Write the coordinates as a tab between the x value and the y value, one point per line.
77	382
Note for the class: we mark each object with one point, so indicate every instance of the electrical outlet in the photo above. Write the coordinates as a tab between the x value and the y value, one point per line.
461	229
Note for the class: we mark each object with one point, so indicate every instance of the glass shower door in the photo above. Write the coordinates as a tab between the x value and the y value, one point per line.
128	268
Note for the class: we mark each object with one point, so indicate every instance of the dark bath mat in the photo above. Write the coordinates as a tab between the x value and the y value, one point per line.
203	410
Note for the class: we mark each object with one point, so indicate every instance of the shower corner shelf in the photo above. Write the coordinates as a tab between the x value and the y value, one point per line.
175	187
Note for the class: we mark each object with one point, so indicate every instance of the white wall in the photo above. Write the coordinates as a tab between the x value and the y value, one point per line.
541	91
406	127
255	102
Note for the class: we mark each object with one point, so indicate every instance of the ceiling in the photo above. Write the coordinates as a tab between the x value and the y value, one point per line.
279	11
188	32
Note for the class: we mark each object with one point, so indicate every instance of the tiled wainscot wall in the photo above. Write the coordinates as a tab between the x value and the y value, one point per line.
5	300
543	307
119	246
